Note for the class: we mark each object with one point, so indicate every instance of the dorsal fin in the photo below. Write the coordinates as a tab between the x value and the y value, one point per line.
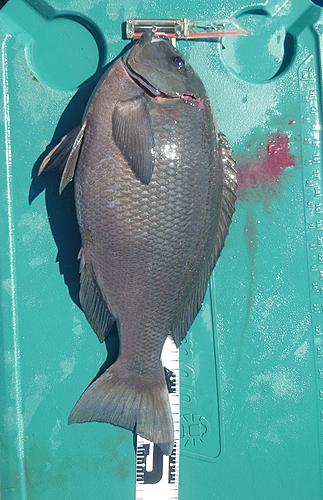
195	298
228	196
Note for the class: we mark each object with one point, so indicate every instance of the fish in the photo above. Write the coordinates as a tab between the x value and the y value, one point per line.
154	188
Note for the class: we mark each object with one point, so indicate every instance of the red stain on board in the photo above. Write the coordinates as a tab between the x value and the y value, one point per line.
267	167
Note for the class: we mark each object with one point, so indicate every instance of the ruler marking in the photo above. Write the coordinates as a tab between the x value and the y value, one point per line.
157	474
313	201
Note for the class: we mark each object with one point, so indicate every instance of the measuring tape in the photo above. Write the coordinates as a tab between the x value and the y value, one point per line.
157	474
313	199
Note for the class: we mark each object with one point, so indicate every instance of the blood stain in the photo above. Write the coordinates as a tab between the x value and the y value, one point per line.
271	160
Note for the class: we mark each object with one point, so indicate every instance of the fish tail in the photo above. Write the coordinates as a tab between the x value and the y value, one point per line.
133	401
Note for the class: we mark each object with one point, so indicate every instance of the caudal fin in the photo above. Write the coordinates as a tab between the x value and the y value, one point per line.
132	401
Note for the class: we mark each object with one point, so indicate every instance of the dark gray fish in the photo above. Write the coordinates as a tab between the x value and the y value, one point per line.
154	191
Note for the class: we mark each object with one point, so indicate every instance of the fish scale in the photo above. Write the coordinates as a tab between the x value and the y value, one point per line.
155	211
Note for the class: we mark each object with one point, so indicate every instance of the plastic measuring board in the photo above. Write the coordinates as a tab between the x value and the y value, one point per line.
251	365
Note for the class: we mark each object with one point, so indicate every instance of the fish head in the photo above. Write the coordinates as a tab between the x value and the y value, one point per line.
161	70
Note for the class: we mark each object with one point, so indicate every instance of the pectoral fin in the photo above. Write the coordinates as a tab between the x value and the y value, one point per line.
132	132
63	157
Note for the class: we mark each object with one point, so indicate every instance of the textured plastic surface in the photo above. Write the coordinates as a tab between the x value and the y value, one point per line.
252	364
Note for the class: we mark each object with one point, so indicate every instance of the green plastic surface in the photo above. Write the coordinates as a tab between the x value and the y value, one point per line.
252	364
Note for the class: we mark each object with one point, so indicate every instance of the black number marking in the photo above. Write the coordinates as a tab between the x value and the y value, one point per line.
170	380
172	466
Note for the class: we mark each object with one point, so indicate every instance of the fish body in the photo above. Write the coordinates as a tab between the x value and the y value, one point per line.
154	194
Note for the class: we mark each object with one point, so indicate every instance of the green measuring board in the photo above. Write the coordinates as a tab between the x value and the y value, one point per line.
251	367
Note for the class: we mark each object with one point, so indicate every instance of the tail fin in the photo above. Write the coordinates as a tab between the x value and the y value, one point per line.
136	402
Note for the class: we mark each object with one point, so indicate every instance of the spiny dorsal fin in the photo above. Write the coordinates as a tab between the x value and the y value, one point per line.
132	132
63	157
93	304
228	198
181	326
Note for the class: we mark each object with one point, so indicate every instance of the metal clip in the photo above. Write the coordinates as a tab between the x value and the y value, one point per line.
186	29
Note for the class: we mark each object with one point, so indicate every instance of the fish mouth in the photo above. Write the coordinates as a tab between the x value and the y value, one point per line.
193	100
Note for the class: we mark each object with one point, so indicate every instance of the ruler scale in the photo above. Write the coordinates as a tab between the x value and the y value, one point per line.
157	474
313	200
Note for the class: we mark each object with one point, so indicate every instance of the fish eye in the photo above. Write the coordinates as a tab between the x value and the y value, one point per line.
179	62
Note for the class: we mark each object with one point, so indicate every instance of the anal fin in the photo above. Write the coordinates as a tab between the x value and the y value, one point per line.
93	304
